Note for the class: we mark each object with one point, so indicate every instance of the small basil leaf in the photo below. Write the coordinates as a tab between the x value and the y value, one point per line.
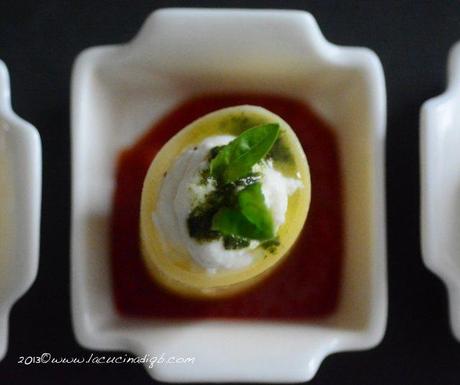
251	202
230	221
235	160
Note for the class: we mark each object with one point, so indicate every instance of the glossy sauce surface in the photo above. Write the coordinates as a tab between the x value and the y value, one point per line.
305	285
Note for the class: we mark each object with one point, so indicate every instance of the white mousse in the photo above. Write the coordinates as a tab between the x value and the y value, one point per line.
182	190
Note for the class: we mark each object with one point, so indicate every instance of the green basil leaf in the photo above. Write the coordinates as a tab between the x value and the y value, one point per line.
235	160
251	219
251	202
230	221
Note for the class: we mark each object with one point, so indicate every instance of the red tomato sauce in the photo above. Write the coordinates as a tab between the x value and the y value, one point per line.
305	285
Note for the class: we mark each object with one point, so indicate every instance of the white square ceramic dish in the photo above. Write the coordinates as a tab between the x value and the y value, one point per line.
20	200
440	186
118	91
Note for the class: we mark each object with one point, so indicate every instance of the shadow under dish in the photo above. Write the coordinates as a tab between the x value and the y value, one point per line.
305	285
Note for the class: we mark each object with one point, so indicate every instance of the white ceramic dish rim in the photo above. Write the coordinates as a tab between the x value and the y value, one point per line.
354	340
23	159
433	254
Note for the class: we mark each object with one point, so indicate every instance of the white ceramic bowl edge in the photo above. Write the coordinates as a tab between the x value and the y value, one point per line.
440	186
20	168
